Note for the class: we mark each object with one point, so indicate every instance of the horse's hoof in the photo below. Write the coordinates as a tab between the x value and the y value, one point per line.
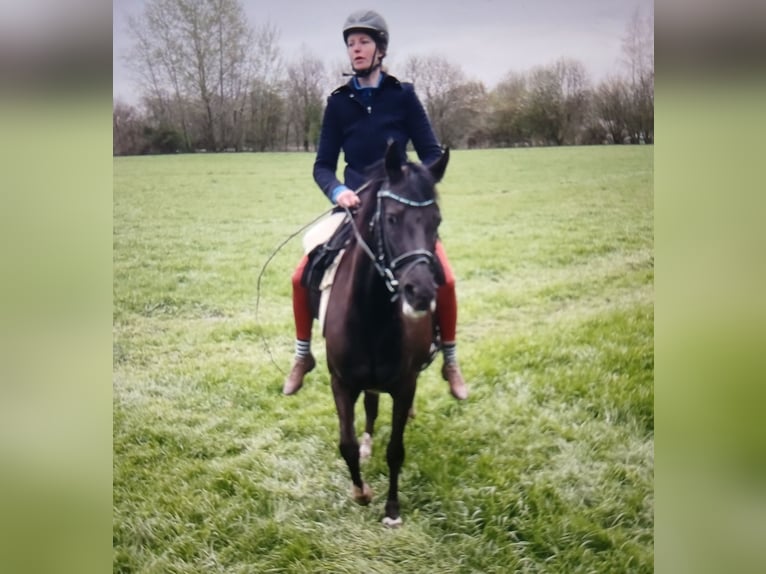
392	522
365	448
362	495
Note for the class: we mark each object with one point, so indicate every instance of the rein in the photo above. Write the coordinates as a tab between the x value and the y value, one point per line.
386	269
263	270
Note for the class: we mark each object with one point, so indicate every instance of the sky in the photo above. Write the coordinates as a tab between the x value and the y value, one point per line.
485	38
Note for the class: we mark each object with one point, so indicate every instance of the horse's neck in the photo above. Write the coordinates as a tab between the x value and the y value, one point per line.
368	286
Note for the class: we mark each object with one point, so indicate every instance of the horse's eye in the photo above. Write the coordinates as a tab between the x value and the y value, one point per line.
391	219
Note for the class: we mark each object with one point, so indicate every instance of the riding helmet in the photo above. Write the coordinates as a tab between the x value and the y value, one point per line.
369	22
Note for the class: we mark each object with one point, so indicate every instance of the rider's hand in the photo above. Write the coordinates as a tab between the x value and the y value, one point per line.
348	199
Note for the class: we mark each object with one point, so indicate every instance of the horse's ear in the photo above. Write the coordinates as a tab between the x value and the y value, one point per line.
393	162
439	166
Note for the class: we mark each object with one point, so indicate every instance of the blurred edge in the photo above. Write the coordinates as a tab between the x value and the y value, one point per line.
699	41
55	333
710	324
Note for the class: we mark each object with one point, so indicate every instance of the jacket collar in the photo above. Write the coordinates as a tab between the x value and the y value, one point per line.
387	80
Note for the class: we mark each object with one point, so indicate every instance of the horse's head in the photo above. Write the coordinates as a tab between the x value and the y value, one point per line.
406	225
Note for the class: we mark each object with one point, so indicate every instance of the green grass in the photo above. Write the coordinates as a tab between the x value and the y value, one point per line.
548	467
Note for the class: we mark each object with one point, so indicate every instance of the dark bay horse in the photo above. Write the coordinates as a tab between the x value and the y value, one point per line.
379	323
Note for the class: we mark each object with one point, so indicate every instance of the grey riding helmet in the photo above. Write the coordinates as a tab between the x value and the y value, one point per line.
369	22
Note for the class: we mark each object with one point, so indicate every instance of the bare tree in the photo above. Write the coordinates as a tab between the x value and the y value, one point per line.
195	57
266	108
267	116
576	93
638	46
470	117
507	109
557	102
305	82
159	70
638	58
127	130
438	82
611	107
235	70
543	111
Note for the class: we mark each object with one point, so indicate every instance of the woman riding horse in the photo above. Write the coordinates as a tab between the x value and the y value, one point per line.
361	117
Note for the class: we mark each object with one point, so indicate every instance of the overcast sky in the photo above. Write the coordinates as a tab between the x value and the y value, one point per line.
486	38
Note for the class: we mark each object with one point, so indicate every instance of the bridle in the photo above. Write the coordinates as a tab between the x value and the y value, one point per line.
385	264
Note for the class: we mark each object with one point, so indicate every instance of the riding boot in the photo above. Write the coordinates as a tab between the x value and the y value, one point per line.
294	380
451	373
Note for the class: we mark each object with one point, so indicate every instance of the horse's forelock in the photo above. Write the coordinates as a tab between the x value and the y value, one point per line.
418	183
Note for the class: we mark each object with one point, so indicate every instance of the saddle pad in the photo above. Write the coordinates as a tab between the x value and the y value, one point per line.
325	287
322	230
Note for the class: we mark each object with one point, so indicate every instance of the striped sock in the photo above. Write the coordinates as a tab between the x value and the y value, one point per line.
302	349
449	350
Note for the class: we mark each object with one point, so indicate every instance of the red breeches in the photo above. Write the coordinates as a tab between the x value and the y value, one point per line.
446	301
301	305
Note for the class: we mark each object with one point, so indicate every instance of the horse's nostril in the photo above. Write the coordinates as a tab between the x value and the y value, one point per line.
417	297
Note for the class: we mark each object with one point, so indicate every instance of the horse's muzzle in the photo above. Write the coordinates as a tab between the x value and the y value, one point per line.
418	290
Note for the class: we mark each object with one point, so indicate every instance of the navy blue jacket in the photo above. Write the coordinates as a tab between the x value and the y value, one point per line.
361	121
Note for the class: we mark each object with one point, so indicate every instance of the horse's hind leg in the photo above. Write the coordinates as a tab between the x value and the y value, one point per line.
395	457
371	401
349	447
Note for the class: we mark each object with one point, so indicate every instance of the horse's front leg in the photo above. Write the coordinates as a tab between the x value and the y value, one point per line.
395	453
371	400
349	447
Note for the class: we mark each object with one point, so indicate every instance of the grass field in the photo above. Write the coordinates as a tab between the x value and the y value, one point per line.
548	467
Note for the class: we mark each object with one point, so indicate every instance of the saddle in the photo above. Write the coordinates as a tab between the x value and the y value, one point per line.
323	256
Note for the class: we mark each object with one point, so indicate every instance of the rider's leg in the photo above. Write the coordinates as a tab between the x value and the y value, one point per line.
304	360
446	312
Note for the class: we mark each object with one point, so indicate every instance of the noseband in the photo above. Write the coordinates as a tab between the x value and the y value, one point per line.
382	259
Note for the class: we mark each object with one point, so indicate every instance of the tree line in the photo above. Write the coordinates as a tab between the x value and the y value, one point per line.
212	82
